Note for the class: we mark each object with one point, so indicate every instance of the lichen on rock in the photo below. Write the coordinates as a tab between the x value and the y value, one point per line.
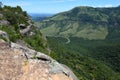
17	63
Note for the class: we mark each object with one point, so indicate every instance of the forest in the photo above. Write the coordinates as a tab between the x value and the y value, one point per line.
91	59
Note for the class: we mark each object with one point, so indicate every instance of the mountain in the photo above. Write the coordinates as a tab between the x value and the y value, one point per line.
87	40
39	16
24	51
25	54
84	22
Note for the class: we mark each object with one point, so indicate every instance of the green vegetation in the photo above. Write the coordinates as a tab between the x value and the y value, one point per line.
83	22
89	59
93	52
87	40
15	16
36	42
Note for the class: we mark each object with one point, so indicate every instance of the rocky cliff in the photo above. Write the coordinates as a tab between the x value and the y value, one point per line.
22	63
20	42
21	29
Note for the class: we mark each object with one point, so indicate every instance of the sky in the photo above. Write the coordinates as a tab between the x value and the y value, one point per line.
56	6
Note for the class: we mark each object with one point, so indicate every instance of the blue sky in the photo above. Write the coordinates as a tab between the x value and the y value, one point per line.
56	6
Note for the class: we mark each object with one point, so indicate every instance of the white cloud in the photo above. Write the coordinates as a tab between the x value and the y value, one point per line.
107	5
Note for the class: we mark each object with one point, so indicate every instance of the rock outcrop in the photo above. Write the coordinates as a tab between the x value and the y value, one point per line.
26	30
22	63
18	62
4	35
4	22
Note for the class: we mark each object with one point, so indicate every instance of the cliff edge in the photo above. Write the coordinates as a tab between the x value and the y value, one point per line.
21	63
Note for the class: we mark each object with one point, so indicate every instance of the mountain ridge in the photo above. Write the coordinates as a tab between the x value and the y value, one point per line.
94	41
82	22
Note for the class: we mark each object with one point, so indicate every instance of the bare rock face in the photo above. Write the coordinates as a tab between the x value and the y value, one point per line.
26	29
21	63
4	22
4	35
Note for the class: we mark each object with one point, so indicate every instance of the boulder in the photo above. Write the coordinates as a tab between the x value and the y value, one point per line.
22	26
4	35
22	63
26	30
4	22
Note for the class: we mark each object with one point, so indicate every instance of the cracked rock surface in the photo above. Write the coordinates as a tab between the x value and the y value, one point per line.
18	63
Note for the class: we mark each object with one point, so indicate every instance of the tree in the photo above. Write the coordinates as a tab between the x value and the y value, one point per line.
1	4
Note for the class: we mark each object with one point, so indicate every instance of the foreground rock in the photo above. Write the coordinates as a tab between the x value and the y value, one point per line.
4	36
21	63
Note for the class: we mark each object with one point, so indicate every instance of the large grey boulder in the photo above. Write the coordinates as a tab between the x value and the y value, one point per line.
54	66
22	26
26	30
4	22
28	64
4	35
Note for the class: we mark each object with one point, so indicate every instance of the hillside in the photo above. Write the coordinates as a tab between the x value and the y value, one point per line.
88	38
83	22
20	41
94	55
89	59
21	29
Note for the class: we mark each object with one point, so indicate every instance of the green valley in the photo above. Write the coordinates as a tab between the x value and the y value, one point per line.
99	58
87	40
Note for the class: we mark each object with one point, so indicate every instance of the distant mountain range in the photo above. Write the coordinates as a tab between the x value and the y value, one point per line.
84	22
39	16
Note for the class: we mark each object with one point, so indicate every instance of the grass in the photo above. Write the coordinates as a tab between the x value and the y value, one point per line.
86	31
50	31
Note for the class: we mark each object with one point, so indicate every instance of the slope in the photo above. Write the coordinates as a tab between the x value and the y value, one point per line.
21	29
93	51
83	22
19	40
